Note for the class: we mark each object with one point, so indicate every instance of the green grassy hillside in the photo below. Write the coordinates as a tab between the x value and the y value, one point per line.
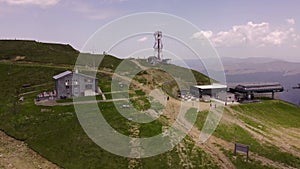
55	133
50	53
255	124
37	52
277	112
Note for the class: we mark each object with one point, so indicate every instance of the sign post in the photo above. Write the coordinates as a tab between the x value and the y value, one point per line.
241	148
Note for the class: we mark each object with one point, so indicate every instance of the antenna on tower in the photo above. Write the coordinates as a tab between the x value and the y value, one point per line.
158	46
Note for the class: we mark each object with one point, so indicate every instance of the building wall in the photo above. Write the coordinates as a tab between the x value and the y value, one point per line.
61	88
197	92
226	96
75	85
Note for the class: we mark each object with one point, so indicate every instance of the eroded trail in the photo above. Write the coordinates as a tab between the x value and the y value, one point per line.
15	154
280	137
209	147
213	144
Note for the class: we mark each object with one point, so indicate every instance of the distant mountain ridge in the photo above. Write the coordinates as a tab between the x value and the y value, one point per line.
235	66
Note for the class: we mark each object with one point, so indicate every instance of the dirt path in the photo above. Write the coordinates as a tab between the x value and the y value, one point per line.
209	147
276	136
261	136
15	154
102	94
265	161
135	147
54	103
139	65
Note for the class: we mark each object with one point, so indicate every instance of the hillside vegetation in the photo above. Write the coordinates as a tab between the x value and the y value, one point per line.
54	131
33	51
271	127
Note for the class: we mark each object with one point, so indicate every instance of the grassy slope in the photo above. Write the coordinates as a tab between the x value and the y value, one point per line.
37	52
272	113
183	73
277	112
54	132
173	77
48	53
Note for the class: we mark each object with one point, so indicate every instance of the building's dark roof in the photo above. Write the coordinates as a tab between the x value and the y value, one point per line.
62	74
258	87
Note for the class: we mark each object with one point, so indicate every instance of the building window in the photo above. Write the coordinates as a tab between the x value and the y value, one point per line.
88	80
67	83
88	86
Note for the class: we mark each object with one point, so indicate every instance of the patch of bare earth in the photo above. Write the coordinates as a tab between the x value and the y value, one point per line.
209	147
135	147
275	137
287	139
184	159
15	154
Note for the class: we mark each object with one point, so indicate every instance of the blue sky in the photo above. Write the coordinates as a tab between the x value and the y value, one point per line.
236	28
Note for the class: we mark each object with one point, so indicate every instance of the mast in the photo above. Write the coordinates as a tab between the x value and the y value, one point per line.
158	46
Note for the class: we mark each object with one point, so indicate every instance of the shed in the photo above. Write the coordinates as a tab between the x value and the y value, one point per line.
211	90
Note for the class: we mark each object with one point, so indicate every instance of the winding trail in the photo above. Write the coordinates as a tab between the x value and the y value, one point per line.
276	136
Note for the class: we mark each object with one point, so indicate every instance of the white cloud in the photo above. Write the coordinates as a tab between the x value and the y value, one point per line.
31	2
254	34
277	37
291	21
143	39
199	35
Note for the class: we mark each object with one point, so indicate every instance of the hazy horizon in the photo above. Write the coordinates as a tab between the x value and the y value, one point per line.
243	29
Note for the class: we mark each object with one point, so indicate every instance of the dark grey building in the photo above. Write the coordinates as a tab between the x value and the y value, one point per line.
249	89
73	84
